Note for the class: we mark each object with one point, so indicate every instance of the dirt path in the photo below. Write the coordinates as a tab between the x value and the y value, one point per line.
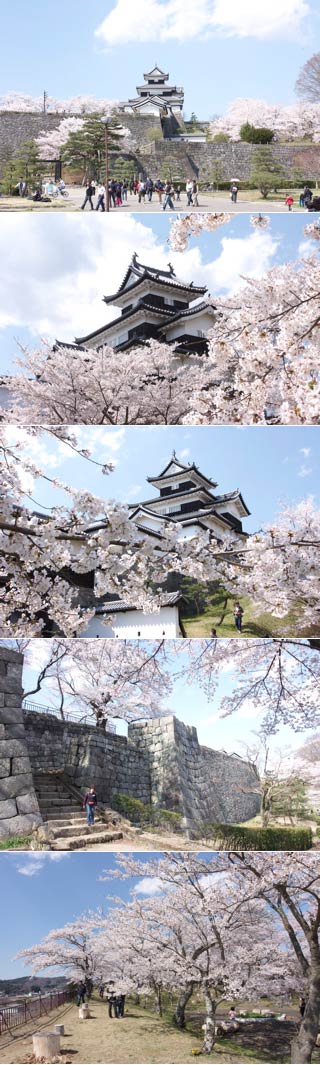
140	1037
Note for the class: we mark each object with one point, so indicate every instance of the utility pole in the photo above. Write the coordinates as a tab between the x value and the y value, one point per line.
45	97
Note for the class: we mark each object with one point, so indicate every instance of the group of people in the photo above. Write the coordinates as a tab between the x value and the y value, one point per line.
166	192
306	200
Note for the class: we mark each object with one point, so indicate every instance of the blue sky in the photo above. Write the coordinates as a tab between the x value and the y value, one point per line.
269	465
219	50
190	704
54	271
45	890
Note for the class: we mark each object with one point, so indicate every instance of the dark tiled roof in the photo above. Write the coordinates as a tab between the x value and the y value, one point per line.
186	468
119	606
190	311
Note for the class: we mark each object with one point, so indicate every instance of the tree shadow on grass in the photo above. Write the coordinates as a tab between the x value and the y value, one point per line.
252	628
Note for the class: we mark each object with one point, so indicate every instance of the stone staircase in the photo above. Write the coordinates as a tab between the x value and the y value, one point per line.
65	823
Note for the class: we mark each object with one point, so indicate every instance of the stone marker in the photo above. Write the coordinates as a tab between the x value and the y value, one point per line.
46	1045
84	1012
59	1029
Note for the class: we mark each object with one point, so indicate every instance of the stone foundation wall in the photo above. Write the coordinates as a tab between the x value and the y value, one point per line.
160	762
88	755
203	784
210	161
19	810
181	159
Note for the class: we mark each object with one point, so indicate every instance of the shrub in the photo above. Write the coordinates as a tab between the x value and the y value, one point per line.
220	138
141	813
274	838
256	134
15	843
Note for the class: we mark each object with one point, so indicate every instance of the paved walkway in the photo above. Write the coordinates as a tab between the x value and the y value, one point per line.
207	202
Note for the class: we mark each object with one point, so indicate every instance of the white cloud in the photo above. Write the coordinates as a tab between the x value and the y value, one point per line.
35	863
60	295
304	470
165	20
305	451
149	885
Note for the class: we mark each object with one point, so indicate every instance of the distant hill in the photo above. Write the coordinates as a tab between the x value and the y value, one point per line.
22	985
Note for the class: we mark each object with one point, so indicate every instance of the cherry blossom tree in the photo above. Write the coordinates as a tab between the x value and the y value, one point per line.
292	122
261	365
204	934
82	104
41	555
71	949
308	82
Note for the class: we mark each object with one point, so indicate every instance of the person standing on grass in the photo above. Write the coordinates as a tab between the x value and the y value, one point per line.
101	198
238	616
289	201
89	804
90	192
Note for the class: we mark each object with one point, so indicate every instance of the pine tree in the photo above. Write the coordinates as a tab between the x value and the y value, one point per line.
267	173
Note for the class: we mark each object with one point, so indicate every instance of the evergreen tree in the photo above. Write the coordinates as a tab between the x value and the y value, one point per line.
87	146
26	166
267	173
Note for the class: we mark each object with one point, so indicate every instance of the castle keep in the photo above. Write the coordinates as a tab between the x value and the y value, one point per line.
160	762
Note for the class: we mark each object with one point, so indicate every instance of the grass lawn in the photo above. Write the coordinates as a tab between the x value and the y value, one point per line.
255	196
142	1036
262	625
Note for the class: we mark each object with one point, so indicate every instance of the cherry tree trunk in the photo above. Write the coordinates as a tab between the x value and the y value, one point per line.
303	1044
210	1024
158	1002
179	1018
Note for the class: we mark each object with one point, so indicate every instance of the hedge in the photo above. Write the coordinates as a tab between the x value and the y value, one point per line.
143	814
275	838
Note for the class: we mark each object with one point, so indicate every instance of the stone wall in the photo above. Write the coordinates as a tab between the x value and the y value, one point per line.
182	159
19	810
160	762
19	126
203	784
204	161
88	755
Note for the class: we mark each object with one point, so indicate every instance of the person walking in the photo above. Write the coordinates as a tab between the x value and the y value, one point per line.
142	188
289	201
90	192
101	192
81	993
89	804
178	191
307	196
213	634
168	202
302	1006
124	190
234	192
149	188
118	194
189	187
159	187
195	191
238	616
301	199
112	1003
120	1003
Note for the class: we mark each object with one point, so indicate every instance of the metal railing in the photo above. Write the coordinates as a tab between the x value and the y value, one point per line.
68	715
32	1008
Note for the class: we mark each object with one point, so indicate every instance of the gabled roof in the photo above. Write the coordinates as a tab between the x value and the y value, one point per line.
155	72
186	468
119	606
190	312
174	496
141	272
140	101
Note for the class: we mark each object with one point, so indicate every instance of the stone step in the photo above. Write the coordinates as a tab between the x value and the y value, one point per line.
68	831
64	820
68	800
64	812
82	842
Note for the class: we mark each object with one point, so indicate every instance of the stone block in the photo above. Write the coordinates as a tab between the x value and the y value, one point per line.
4	767
12	786
21	765
28	803
12	748
8	808
21	825
11	715
10	684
